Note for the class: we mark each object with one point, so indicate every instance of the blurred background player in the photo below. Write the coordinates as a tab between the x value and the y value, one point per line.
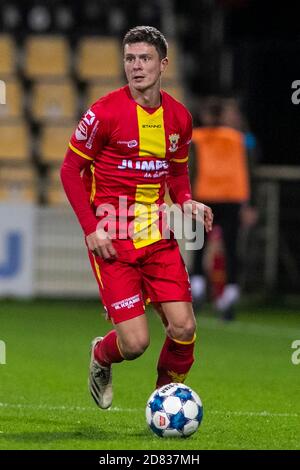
131	143
223	162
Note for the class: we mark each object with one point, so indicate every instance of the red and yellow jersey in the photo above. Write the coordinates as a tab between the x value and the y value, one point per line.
132	150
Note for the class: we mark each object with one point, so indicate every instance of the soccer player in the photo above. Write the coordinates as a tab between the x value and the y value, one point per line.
220	144
128	146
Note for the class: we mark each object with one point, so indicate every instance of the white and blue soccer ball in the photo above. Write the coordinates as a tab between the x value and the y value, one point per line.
174	410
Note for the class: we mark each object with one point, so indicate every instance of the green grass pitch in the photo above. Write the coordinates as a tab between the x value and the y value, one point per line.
243	372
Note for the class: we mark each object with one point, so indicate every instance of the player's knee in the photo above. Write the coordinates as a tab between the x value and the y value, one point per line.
133	349
182	331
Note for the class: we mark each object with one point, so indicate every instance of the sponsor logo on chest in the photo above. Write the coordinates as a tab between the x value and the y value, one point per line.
144	165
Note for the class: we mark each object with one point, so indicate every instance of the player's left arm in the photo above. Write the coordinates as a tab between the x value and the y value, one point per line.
178	181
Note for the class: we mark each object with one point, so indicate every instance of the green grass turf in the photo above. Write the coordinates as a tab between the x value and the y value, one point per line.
243	372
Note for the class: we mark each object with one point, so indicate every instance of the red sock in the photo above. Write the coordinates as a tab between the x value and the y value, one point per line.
175	360
107	351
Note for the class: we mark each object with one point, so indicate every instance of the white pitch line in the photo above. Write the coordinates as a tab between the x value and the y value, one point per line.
61	407
264	414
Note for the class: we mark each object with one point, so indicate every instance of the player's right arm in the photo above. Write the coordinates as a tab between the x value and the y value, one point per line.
85	144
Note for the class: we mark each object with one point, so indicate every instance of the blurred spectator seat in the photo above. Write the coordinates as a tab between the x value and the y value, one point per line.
53	101
46	57
56	195
14	100
18	192
8	55
15	141
55	191
54	175
97	90
98	58
18	183
54	140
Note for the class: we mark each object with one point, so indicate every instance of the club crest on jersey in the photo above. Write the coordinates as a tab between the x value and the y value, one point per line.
173	138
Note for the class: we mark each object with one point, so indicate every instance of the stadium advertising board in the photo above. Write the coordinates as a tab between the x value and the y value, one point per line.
16	250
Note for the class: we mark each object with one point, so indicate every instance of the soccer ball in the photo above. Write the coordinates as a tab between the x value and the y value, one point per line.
174	410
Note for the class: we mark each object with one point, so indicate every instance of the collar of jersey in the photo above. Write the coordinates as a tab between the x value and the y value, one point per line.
146	108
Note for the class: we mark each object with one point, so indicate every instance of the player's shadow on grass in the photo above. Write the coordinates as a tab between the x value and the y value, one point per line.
35	421
84	433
